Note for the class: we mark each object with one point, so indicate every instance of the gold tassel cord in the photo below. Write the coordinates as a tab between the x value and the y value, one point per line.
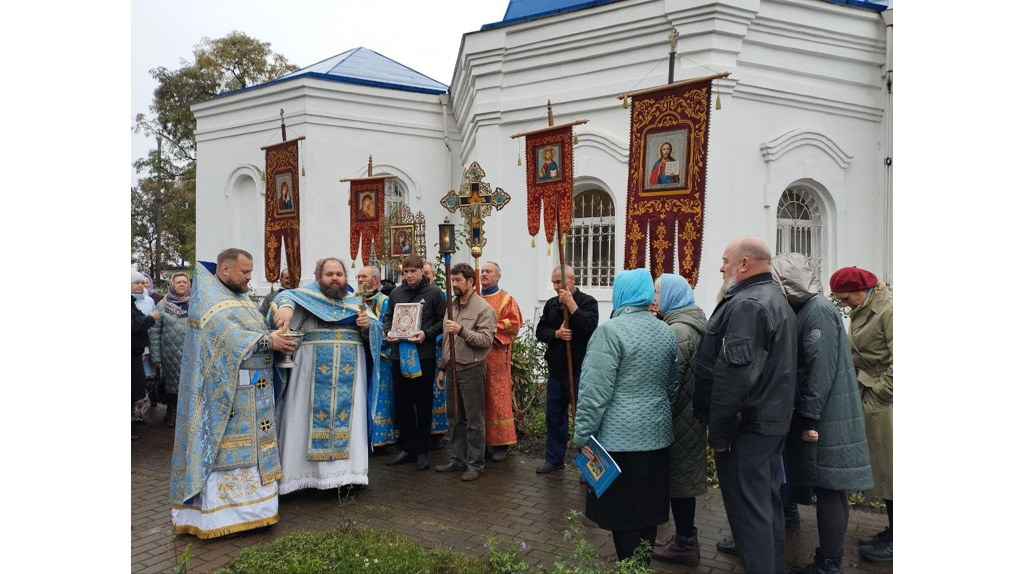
519	159
718	102
575	139
549	250
625	103
533	242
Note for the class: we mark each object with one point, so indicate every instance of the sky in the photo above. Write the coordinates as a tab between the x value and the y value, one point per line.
424	36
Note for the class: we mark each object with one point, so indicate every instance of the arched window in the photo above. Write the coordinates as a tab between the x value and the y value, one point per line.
800	225
394	194
590	242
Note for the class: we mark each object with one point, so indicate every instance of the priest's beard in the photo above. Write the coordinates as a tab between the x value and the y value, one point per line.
240	288
333	290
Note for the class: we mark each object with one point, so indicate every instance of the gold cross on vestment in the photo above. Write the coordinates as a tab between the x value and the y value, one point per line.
222	405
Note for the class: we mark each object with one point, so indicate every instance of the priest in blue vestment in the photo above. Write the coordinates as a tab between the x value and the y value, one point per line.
225	465
323	420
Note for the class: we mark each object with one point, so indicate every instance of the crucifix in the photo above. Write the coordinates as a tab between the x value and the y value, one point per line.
474	201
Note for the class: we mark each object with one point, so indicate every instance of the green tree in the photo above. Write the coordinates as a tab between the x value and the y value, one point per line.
233	62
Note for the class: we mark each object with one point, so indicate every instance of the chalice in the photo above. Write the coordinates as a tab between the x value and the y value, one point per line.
295	337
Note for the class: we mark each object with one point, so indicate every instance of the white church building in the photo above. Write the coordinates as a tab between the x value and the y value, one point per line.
800	152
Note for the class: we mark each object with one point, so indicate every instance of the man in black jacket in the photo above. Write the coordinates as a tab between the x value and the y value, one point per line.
583	314
745	388
414	394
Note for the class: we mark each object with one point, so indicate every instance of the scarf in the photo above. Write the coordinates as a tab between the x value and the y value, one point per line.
177	306
675	293
633	289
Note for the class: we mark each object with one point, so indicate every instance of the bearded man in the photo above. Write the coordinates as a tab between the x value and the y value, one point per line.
382	395
322	424
745	388
225	465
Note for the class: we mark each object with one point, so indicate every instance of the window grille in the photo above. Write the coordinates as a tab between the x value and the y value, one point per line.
800	226
590	242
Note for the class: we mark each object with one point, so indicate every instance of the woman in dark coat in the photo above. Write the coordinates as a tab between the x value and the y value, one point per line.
141	323
827	447
688	468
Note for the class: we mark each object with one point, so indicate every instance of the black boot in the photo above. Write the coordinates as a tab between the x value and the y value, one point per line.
822	564
881	550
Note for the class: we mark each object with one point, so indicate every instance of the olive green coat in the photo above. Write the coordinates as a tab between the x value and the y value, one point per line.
871	343
688	457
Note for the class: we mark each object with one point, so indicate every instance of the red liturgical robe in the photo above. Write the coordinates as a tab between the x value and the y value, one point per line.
501	428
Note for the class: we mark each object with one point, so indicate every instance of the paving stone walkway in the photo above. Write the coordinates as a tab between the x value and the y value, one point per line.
510	502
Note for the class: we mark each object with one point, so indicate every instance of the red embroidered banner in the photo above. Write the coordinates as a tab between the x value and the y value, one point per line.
667	170
282	209
549	179
366	208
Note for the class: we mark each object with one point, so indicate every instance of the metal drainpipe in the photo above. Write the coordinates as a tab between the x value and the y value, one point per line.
444	122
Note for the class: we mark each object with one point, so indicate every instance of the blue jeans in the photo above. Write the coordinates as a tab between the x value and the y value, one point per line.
556	418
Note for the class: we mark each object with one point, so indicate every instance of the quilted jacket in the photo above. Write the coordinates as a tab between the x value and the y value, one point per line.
166	343
688	451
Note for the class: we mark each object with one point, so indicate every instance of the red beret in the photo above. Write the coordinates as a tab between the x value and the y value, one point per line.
849	279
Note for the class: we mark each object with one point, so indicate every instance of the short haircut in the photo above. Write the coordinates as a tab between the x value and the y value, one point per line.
232	254
496	266
425	263
756	250
413	262
568	271
465	270
374	272
319	271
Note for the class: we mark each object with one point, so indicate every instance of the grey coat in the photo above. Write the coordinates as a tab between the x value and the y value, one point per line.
827	396
166	344
688	458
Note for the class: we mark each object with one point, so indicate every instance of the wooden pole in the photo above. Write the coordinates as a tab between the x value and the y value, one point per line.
565	315
672	55
451	336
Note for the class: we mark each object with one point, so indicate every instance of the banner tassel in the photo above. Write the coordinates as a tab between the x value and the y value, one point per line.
533	241
625	104
563	239
575	139
718	102
549	250
519	159
353	263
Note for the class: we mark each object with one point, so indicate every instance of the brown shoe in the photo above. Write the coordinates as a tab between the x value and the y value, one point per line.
450	467
679	550
470	475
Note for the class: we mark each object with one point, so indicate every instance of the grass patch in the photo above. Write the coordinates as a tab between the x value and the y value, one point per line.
348	550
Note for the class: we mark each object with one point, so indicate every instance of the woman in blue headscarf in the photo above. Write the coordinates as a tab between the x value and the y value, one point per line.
628	385
673	298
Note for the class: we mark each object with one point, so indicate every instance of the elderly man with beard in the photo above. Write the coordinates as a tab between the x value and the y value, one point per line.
225	466
745	374
473	323
382	395
322	425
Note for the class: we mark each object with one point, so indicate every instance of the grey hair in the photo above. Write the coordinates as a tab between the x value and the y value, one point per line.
496	266
568	271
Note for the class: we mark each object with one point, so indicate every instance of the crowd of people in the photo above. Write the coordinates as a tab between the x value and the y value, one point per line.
790	403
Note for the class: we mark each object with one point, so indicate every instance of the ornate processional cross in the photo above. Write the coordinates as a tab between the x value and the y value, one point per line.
474	201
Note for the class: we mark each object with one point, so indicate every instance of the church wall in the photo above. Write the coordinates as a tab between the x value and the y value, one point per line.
797	66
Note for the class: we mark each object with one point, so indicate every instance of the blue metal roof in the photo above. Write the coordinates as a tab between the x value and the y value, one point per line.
524	10
364	67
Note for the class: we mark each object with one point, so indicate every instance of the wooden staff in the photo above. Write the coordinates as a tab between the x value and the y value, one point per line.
565	313
451	336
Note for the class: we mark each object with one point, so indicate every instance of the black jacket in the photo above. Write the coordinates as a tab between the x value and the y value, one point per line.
431	315
583	324
141	323
747	364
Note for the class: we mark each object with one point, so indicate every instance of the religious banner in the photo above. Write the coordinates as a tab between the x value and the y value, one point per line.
667	169
404	234
366	211
366	207
281	229
549	179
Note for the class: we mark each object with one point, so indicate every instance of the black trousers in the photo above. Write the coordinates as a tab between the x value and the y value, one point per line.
556	415
750	475
138	379
414	401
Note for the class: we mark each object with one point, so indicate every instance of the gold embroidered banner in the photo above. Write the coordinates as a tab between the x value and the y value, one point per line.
282	209
667	172
366	209
549	179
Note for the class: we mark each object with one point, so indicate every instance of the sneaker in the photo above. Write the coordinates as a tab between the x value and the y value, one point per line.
880	551
470	475
548	467
869	540
450	467
822	565
679	550
401	458
728	546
